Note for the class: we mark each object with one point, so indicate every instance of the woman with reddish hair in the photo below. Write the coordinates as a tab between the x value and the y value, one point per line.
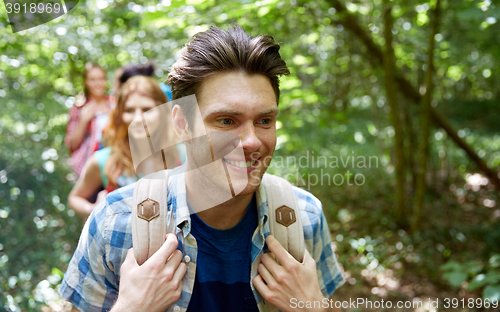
112	167
88	117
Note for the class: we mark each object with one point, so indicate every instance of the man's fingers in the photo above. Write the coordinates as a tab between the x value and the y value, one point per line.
308	259
270	263
272	256
129	259
180	272
259	284
281	254
165	250
265	274
174	261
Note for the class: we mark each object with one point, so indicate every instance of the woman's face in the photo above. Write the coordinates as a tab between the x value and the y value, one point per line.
96	82
136	105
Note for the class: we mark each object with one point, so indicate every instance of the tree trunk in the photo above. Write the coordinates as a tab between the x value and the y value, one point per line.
424	122
412	144
350	22
390	90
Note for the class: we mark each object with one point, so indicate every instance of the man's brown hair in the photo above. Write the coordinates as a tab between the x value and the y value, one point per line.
215	51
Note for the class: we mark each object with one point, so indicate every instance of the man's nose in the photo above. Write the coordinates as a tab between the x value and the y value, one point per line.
138	113
250	142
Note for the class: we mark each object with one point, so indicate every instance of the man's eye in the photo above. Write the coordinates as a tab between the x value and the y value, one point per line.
226	121
266	121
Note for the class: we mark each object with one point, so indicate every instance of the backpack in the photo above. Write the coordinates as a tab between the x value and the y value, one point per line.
150	214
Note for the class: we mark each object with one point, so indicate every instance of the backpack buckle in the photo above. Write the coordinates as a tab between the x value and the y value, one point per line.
285	216
148	209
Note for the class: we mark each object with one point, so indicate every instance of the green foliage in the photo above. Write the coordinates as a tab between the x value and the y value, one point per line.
478	276
332	105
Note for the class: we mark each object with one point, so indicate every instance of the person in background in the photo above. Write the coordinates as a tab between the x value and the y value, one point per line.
88	117
116	81
148	69
112	167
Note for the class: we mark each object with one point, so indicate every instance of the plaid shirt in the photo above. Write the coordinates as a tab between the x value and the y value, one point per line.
93	276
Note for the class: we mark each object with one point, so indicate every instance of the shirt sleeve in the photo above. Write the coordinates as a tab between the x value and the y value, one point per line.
318	242
89	283
329	274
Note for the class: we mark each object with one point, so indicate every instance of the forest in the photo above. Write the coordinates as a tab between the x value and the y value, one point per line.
390	117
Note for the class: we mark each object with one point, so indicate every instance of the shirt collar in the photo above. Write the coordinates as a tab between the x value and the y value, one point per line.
177	199
262	209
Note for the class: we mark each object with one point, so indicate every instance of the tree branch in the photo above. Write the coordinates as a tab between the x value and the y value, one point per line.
351	22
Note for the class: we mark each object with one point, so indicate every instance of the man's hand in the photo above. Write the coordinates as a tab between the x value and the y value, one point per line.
156	284
279	283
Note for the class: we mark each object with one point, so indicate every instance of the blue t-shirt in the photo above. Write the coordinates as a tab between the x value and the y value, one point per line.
222	281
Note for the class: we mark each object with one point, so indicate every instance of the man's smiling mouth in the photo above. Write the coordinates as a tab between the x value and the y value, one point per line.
241	164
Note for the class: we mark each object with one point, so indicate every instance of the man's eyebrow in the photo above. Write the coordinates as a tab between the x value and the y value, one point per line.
236	113
271	111
224	112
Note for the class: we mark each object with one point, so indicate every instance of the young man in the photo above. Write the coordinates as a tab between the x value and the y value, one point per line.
223	265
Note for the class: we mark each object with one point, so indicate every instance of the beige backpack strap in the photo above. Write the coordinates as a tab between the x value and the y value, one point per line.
149	215
285	222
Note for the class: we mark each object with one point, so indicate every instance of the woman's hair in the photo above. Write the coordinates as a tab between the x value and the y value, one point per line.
116	133
88	68
131	70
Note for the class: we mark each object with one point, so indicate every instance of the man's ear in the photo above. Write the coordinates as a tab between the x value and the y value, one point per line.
181	124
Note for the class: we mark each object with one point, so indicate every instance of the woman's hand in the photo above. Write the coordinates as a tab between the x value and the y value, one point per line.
88	112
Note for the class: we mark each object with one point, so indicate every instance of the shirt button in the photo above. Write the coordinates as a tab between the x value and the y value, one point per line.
187	259
177	309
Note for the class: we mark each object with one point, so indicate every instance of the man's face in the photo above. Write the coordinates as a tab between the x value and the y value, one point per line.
243	105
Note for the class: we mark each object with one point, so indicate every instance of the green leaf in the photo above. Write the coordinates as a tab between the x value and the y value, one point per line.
451	266
473	267
301	60
290	82
492	277
455	278
56	271
471	14
477	282
263	11
495	261
339	116
492	292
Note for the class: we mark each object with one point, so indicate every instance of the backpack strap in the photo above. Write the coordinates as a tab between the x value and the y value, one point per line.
149	215
285	222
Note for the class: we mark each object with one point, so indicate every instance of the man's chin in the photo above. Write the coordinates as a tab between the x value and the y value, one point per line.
249	189
252	185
